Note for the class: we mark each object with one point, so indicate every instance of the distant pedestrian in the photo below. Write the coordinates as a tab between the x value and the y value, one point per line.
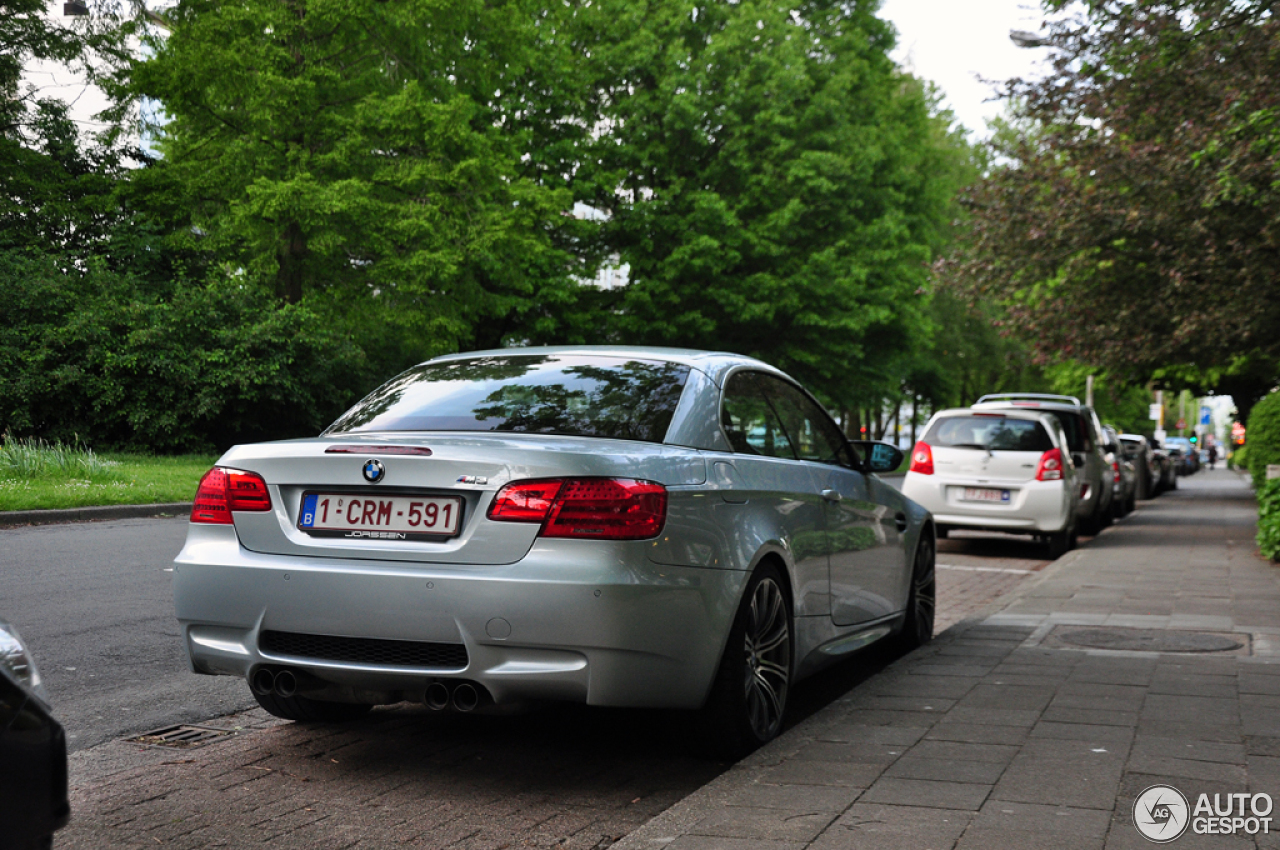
1213	455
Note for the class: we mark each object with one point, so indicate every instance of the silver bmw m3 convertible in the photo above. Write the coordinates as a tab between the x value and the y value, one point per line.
617	526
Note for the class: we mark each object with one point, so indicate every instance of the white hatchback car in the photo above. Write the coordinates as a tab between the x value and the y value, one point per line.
1006	470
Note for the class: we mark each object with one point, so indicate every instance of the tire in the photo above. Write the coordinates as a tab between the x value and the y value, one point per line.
1131	505
749	695
942	532
305	710
917	627
1061	542
1103	518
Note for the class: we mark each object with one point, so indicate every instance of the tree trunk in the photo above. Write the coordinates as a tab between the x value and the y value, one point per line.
915	416
291	258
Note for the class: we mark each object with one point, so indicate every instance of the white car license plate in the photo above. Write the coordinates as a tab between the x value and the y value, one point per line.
369	517
985	494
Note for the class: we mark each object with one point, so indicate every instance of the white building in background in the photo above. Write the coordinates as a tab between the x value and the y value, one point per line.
55	80
614	274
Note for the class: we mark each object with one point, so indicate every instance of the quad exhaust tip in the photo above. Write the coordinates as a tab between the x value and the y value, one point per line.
465	697
263	681
462	697
437	697
282	682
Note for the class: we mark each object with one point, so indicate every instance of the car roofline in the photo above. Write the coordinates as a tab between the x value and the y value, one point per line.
998	398
1016	412
714	364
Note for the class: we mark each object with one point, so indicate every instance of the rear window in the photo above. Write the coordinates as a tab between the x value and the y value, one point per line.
575	395
997	433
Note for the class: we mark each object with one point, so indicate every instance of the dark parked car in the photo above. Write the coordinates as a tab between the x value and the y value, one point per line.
1124	473
1084	436
33	752
1148	471
1168	465
1188	454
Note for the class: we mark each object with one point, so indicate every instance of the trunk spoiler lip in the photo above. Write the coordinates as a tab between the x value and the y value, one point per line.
420	451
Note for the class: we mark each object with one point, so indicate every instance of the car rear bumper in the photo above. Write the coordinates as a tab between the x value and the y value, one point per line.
1033	507
589	621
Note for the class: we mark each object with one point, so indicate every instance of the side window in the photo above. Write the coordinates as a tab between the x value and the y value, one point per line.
750	421
813	435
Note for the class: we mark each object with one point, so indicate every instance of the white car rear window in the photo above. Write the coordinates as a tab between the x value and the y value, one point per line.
988	432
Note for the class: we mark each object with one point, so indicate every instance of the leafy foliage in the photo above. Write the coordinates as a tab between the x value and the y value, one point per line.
1269	519
1264	437
1136	227
115	361
363	151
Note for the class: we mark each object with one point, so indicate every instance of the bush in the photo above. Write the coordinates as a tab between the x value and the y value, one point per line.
1269	519
117	362
1239	458
1264	437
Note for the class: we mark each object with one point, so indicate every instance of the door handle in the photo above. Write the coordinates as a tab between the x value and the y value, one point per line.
832	495
901	521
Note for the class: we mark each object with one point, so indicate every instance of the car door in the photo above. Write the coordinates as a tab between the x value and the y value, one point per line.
775	496
863	524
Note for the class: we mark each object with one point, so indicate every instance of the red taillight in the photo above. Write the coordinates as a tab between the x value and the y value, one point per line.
1050	466
223	490
595	508
1115	467
922	459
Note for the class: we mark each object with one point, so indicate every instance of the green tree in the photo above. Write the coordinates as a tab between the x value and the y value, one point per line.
363	153
1136	227
774	182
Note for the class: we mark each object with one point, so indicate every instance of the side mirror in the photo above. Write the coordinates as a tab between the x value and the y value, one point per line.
880	457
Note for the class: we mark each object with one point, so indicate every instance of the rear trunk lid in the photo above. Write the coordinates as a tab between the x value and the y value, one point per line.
985	466
456	469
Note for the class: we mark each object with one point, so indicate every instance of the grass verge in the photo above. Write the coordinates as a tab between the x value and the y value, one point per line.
36	476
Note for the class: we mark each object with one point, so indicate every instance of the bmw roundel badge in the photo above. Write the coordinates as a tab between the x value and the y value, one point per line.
374	471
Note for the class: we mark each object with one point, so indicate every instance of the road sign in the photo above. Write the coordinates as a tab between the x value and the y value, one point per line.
1181	424
1206	415
1153	412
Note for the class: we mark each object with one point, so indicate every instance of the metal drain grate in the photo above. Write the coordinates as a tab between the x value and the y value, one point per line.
181	737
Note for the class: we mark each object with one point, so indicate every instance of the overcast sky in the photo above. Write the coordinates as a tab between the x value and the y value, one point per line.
953	42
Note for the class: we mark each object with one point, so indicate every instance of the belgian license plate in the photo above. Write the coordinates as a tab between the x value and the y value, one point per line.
368	517
985	494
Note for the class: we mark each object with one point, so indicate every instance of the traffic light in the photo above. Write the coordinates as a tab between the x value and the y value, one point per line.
1194	438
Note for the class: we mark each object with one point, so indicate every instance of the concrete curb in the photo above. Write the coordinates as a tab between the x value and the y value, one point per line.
49	517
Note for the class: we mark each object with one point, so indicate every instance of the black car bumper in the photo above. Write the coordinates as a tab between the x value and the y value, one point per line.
33	769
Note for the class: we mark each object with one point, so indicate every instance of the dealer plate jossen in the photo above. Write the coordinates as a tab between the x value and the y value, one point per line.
382	517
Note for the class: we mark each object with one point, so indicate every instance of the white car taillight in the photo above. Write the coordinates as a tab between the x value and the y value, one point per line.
1050	466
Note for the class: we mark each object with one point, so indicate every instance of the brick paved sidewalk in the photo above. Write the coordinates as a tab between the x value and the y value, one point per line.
1005	734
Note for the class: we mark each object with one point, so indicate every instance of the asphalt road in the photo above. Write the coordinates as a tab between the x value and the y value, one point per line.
94	603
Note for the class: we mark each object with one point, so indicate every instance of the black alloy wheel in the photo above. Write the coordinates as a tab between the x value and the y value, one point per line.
749	696
917	628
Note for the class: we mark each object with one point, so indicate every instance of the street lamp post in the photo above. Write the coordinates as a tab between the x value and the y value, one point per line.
1025	38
